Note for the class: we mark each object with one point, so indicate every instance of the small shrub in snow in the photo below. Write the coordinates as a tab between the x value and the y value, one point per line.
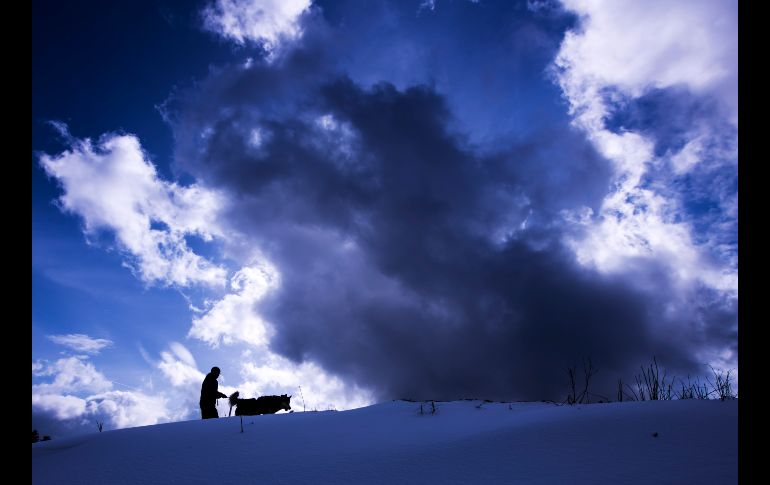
693	390
584	396
655	387
721	385
424	407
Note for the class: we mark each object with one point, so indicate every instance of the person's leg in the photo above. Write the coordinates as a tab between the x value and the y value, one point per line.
208	412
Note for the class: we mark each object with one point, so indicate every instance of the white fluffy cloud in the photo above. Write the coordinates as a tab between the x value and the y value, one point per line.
79	391
126	409
71	374
81	343
631	47
61	406
179	367
113	187
637	45
233	318
267	373
270	23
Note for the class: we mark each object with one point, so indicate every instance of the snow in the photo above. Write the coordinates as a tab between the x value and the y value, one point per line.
463	442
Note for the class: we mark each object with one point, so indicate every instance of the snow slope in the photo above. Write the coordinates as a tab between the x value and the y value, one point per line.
392	443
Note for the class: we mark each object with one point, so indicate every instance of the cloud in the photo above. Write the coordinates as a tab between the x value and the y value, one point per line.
413	263
118	409
179	367
310	385
649	82
232	318
81	343
62	407
182	353
72	374
128	409
637	46
79	393
113	187
269	23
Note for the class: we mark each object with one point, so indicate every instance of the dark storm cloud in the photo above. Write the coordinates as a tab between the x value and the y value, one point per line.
414	260
490	56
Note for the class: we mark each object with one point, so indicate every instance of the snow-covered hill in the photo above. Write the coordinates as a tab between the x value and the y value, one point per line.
393	443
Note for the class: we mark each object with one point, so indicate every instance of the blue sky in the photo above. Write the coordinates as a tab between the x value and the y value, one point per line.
376	200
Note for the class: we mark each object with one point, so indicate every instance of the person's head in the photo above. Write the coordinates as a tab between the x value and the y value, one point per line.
215	372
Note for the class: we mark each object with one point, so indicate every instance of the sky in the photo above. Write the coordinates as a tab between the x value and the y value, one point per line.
354	202
457	442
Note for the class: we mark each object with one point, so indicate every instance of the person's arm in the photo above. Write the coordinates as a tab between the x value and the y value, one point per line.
216	391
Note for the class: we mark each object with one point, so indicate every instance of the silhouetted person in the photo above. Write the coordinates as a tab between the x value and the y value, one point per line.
209	394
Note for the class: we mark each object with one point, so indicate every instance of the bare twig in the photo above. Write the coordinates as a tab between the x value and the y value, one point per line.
572	396
588	372
721	385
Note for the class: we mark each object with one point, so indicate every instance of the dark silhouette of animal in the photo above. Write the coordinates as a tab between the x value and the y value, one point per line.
260	405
